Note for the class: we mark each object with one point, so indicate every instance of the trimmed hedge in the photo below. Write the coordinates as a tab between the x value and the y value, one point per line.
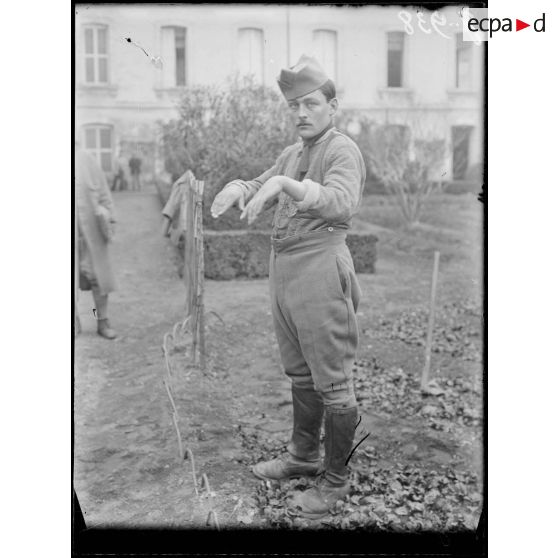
462	187
246	253
236	254
363	249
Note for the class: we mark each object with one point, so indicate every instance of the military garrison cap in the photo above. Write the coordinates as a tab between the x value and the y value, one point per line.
302	78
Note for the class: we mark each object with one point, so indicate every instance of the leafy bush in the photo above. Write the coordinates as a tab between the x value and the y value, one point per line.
223	133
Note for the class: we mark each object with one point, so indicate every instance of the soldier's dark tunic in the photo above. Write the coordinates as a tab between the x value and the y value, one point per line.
313	286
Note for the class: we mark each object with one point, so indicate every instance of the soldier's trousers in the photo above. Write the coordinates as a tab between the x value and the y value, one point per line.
314	300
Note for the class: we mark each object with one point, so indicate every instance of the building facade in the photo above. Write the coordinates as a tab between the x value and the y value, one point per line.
395	65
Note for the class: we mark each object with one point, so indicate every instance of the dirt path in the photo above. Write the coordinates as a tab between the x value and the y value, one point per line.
126	467
126	463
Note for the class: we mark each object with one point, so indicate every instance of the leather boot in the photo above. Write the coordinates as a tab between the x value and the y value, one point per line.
333	485
101	302
303	457
104	329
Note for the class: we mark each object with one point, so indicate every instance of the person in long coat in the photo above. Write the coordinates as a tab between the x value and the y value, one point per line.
95	219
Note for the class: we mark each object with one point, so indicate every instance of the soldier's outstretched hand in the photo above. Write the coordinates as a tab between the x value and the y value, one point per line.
226	198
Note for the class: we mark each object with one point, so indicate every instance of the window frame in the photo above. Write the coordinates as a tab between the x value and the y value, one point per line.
403	51
97	151
165	80
463	46
96	56
334	33
258	79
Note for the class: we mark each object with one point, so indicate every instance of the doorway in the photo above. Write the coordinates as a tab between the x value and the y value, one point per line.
460	140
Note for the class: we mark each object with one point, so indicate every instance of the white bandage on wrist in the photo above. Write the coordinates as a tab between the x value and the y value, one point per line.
237	184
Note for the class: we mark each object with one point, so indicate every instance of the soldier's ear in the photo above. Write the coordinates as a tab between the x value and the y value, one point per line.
333	105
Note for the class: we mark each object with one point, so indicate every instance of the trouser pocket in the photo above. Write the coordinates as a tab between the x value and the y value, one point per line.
341	277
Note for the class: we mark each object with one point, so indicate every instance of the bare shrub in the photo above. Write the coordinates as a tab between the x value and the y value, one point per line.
407	159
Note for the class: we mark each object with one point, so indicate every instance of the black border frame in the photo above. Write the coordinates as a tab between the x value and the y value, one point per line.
157	541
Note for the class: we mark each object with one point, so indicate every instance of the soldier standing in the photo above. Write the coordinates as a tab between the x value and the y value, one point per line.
317	184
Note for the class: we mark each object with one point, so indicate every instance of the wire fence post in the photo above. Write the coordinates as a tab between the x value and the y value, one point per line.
190	229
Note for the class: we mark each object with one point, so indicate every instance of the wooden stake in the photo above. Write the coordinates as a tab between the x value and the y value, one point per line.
200	322
201	280
194	267
428	348
194	278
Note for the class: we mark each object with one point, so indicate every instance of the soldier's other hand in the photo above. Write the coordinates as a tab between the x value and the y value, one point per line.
253	209
226	198
269	190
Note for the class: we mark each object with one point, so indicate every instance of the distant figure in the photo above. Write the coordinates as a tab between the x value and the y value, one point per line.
120	183
135	169
95	219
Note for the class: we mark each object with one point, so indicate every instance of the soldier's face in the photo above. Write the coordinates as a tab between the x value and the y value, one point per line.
312	113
